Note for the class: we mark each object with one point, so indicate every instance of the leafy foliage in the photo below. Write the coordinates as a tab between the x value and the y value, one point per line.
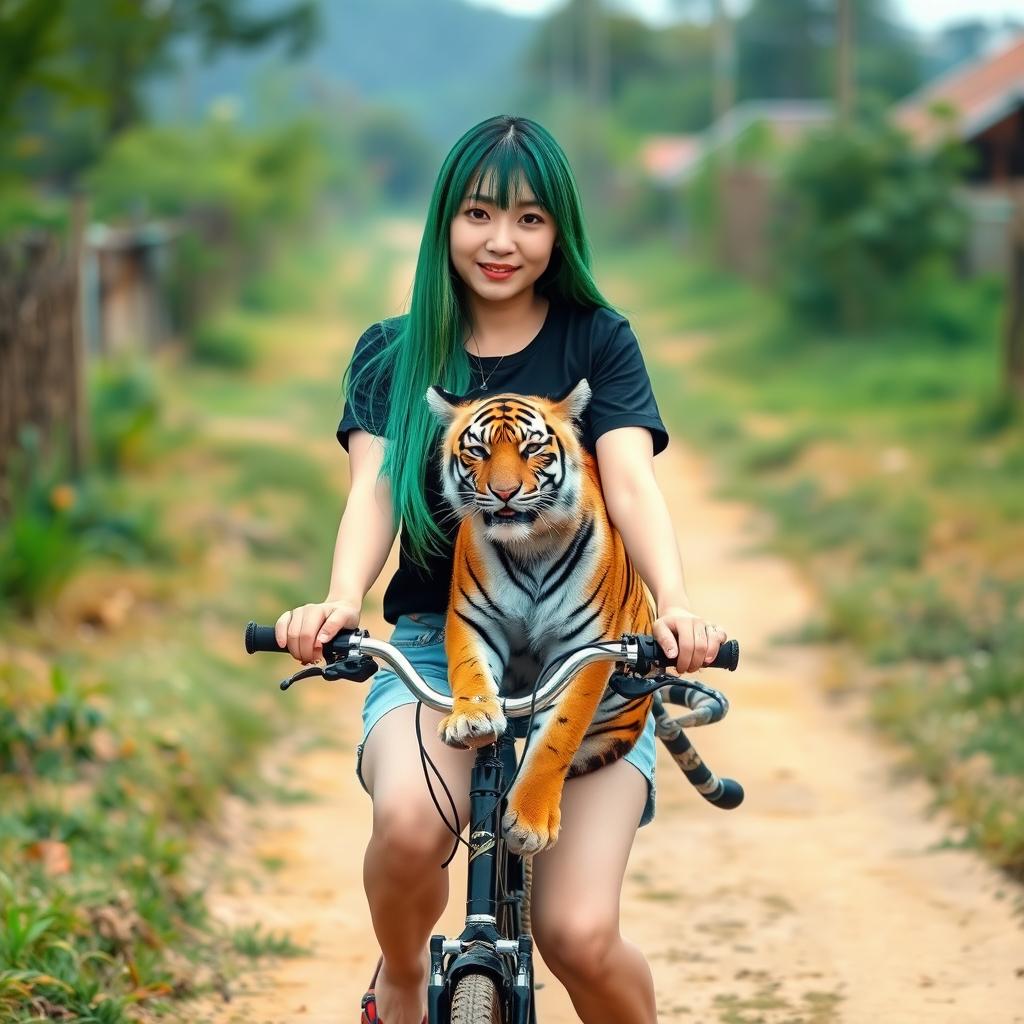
868	221
75	69
787	50
53	523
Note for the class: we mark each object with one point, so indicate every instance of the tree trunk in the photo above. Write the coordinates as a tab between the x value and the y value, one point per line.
1013	334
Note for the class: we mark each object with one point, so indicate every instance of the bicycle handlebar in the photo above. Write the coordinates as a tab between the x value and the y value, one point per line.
640	652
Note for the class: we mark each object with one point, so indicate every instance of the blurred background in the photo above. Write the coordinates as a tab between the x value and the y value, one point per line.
811	210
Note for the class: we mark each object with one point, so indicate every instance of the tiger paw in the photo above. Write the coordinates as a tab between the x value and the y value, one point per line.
528	833
475	728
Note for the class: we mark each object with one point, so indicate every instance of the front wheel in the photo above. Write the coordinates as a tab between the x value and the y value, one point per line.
476	1001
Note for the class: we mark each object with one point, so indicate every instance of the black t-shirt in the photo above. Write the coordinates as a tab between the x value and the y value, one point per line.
574	342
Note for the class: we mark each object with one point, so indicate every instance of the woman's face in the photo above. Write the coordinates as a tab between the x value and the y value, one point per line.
483	235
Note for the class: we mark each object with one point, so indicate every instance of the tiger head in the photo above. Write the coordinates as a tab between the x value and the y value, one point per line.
514	460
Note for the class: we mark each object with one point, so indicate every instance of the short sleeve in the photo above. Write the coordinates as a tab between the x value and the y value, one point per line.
621	393
363	410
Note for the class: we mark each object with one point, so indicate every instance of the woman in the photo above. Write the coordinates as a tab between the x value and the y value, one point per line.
503	300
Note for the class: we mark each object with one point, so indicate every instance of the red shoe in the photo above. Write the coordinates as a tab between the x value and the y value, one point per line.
370	1000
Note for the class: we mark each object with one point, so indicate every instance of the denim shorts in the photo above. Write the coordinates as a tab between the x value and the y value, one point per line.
422	642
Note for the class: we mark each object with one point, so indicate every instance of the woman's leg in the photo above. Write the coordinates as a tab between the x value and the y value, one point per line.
577	886
405	885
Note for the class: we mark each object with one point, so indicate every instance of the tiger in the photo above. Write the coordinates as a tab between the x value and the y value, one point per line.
538	569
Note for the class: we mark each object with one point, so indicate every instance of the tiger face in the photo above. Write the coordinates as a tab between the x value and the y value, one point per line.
514	461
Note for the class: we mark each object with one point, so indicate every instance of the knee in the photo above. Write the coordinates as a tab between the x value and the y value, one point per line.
409	839
578	945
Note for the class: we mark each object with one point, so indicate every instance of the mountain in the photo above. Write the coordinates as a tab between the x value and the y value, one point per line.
443	62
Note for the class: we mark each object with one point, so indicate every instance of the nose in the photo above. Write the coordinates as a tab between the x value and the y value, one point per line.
505	495
500	242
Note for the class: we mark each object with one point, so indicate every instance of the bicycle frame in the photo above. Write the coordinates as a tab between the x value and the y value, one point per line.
492	940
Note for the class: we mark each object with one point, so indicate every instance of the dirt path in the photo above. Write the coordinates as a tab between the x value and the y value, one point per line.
823	899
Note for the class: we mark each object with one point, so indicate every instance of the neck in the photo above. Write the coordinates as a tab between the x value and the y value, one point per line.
498	328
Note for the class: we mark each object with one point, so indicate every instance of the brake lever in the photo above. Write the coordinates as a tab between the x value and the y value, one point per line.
303	673
630	685
357	667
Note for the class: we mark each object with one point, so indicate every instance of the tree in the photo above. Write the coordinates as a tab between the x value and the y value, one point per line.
653	80
866	216
788	50
77	68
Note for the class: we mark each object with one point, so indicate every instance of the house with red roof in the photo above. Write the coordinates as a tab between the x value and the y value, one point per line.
984	99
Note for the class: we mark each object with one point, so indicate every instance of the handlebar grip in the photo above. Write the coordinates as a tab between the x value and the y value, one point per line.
728	656
261	638
650	654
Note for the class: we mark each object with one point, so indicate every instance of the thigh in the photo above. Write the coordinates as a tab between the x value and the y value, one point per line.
392	770
585	868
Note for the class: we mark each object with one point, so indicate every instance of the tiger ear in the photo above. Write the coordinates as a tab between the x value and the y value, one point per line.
571	406
443	404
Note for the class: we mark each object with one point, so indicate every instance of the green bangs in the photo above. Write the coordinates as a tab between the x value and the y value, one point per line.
493	158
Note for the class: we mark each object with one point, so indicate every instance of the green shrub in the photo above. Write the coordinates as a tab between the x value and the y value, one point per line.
48	736
223	345
39	545
867	216
53	523
125	410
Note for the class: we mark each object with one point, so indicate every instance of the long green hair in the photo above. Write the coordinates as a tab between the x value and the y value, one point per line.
426	347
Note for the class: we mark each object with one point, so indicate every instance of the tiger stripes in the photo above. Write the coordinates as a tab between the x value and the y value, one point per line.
539	569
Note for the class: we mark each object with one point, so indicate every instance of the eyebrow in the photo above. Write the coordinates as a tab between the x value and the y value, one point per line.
490	199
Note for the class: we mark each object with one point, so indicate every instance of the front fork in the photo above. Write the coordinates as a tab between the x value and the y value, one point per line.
482	948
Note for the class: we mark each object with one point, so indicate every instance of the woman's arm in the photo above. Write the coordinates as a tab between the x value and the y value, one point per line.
365	535
638	510
367	529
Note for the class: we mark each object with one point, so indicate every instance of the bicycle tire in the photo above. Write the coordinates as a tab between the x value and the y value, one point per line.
477	1001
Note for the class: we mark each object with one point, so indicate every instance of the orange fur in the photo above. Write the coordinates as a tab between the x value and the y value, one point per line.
530	586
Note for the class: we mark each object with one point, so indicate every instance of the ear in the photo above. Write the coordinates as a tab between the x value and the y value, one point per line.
443	404
571	406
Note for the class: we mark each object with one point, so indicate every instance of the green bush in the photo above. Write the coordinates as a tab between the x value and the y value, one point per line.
223	345
51	735
53	524
866	218
124	410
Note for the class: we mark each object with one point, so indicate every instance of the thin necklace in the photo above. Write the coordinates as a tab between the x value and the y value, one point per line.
480	367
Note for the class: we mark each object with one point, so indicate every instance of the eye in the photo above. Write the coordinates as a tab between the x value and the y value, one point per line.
539	220
532	449
476	451
475	209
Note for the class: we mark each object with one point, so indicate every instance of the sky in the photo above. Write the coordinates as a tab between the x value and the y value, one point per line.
921	14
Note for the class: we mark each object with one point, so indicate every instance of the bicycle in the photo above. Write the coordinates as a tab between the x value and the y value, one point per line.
485	976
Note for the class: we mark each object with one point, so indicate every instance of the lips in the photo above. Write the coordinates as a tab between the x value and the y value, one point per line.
496	275
498	266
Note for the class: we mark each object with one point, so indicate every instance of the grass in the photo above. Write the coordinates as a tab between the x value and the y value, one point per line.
127	707
252	941
892	476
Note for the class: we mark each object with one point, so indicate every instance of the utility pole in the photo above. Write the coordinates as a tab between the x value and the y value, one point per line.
723	97
723	63
845	84
597	54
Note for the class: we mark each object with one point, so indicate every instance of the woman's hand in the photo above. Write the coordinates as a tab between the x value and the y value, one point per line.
305	630
687	638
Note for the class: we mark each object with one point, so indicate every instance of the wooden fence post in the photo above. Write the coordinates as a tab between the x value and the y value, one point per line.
79	411
38	383
1013	333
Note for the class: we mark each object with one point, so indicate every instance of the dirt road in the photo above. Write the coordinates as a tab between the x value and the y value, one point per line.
824	898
